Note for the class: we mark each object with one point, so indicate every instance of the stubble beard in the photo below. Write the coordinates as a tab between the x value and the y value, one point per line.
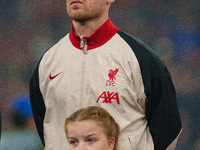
78	17
85	16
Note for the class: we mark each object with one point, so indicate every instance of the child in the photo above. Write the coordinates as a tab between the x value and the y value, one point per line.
92	128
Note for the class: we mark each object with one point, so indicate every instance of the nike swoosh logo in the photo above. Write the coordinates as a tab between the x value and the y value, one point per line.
52	77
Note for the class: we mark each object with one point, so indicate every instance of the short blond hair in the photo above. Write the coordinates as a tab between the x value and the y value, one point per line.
99	115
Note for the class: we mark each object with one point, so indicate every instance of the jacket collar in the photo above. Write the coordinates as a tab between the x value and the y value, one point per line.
98	38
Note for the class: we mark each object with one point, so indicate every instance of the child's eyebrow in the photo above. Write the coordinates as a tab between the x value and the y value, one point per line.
71	138
91	135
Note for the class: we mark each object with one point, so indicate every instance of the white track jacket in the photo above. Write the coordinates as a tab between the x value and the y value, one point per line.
113	70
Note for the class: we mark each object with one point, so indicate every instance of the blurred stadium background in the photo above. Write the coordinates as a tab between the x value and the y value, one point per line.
170	27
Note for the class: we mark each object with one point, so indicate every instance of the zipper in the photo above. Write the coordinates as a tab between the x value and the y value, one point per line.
83	44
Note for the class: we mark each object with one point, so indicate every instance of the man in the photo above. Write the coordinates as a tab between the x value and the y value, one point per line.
97	64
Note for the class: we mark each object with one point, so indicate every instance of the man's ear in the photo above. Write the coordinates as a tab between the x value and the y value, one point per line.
111	143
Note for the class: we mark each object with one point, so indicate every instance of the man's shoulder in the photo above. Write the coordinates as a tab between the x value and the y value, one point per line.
130	38
140	48
53	50
55	47
146	56
62	41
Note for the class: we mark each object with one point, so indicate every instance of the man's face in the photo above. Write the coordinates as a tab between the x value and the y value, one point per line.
82	10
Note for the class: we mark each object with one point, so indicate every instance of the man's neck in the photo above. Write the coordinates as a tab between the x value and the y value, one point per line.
87	28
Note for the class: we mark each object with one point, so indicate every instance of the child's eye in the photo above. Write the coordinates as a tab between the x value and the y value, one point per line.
91	140
73	142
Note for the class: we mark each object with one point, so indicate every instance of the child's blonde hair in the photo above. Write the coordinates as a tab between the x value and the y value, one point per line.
99	115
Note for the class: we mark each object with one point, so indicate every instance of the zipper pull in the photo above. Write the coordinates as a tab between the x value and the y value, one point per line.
83	44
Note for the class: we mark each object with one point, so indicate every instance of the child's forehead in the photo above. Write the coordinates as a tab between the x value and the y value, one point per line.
84	127
84	123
